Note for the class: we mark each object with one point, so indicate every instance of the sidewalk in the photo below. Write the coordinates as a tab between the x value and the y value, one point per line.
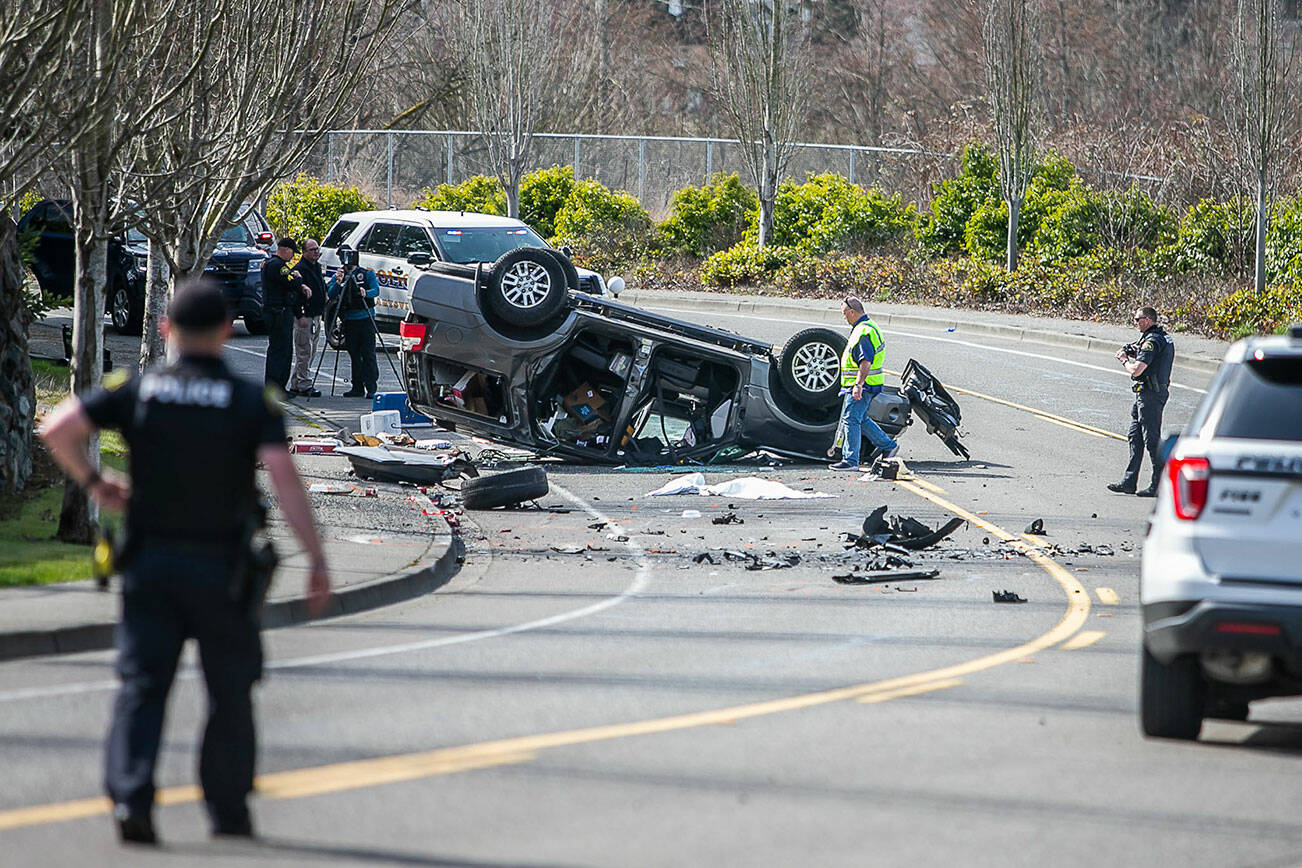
1192	352
381	550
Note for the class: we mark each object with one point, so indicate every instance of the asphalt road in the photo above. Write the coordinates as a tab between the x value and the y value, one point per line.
584	695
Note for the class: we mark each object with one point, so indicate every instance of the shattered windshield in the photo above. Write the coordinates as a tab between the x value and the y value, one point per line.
484	245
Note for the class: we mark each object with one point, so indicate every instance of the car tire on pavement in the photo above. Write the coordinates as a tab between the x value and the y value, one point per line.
504	489
127	313
1172	697
525	287
334	329
809	366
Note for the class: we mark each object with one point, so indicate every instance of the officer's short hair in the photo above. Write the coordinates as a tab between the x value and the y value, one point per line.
853	303
1148	313
197	306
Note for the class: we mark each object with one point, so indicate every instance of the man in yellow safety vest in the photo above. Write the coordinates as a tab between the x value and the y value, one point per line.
861	378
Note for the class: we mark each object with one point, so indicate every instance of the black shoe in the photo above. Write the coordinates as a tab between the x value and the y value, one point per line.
1151	491
230	823
134	827
1121	488
355	393
370	393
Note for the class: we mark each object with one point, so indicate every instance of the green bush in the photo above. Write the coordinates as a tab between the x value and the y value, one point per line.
605	228
1214	238
1284	242
1248	312
479	194
542	194
827	212
1053	186
307	208
1133	221
1070	223
943	230
703	220
745	264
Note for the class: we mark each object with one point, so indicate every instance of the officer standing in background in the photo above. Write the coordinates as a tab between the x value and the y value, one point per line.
1148	361
184	565
358	288
307	321
861	378
282	293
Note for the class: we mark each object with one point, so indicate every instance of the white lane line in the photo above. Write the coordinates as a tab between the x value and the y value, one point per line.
263	356
639	584
1038	356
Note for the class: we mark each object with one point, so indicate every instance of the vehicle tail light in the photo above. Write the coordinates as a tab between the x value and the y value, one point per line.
1190	478
1249	628
412	336
265	238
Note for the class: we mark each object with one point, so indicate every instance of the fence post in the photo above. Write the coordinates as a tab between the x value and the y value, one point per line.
853	151
709	161
641	169
449	158
388	184
576	157
330	158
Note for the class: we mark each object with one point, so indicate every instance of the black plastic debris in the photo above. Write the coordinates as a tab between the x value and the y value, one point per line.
772	561
899	533
1036	527
727	518
1007	597
397	464
885	468
598	525
704	558
878	576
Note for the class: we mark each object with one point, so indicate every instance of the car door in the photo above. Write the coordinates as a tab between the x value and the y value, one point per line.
55	257
379	250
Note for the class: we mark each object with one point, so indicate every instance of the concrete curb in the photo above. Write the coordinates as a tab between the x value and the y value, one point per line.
781	308
283	612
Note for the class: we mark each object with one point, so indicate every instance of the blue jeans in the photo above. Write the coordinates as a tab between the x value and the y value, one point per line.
857	425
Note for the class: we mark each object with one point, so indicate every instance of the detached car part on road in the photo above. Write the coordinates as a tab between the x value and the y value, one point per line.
512	352
1221	582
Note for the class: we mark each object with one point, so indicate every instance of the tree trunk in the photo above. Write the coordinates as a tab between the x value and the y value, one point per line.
17	389
157	293
1014	214
1263	219
79	514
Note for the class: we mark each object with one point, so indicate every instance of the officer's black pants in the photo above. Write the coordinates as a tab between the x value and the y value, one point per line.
280	347
1145	436
359	340
169	595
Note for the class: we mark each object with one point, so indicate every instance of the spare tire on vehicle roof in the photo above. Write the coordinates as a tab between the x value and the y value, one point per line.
504	489
809	365
525	287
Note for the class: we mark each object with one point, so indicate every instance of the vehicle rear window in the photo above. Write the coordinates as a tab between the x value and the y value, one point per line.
236	235
339	232
1263	400
381	239
484	245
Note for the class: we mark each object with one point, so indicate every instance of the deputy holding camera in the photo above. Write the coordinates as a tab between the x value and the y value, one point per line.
356	289
187	566
1148	362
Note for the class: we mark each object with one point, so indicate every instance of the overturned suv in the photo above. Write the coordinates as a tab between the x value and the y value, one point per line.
1221	583
512	351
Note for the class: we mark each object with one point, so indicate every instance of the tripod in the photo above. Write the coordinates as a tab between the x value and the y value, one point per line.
332	313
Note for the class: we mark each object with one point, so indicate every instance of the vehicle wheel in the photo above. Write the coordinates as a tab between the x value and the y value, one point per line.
127	314
1172	697
571	273
504	489
525	287
809	365
334	331
255	325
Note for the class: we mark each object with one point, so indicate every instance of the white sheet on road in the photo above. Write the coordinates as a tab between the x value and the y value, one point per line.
745	488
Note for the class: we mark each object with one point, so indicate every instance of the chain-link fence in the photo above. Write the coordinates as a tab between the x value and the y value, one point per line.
395	165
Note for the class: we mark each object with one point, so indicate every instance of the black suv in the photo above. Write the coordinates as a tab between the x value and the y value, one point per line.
236	263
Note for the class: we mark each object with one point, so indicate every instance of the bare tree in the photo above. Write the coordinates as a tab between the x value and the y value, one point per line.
1262	113
762	67
1009	39
525	68
244	104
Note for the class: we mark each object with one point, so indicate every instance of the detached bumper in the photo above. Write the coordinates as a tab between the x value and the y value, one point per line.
1172	629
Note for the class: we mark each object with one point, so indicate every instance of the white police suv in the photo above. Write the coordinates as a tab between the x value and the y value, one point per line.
387	241
1221	583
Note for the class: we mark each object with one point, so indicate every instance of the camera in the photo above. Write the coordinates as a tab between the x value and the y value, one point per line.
347	257
1131	349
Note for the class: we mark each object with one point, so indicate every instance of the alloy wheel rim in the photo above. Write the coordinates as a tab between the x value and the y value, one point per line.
121	306
815	366
526	285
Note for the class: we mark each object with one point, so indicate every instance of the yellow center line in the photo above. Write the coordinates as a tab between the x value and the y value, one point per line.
1107	596
358	774
1082	639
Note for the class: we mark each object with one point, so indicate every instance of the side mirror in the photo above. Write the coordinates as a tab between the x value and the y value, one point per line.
568	251
420	260
615	286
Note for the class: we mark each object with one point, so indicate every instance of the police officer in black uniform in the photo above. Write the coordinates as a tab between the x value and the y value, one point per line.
1148	361
282	294
195	433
